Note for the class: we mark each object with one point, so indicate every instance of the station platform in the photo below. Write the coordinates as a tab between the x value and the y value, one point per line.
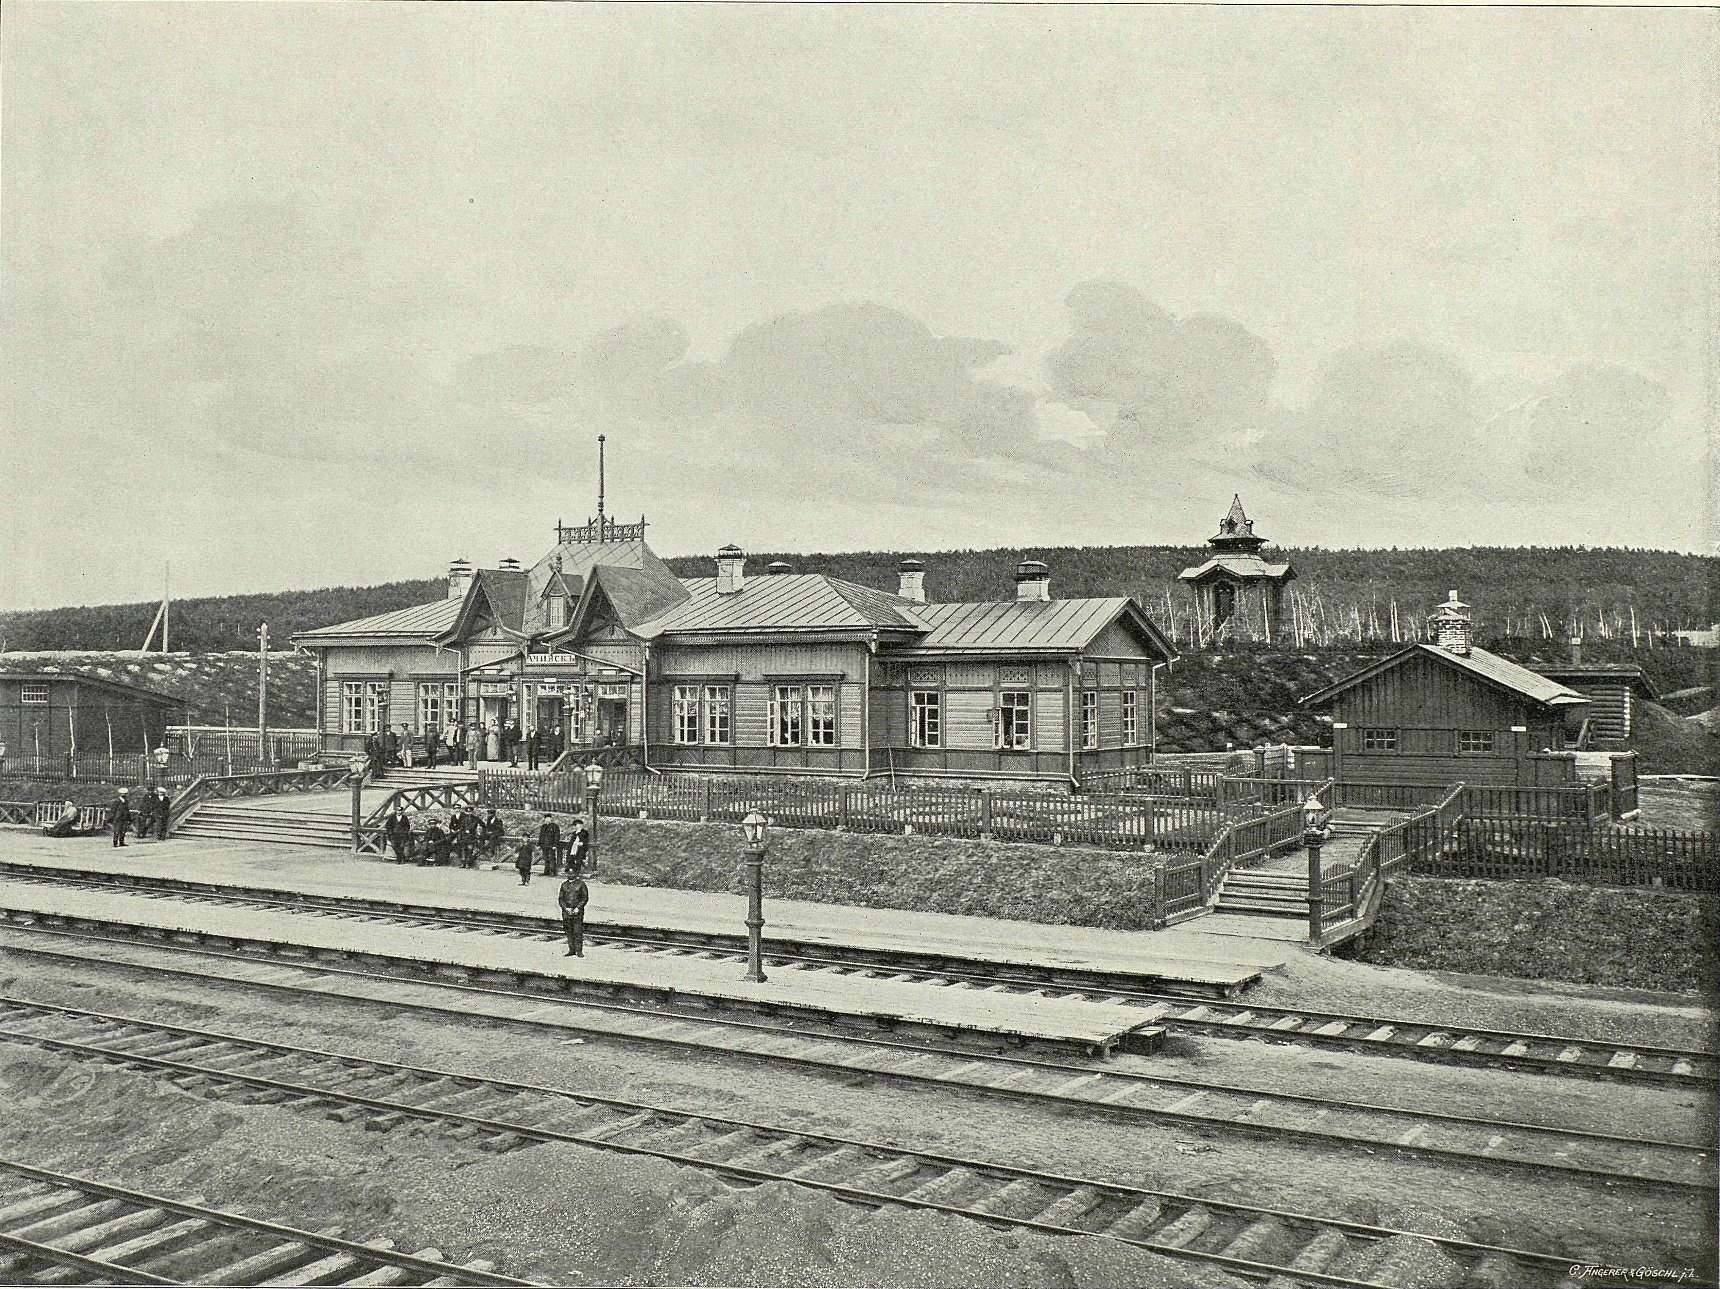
1221	961
687	982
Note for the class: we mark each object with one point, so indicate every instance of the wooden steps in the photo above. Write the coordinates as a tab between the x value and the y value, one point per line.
1263	894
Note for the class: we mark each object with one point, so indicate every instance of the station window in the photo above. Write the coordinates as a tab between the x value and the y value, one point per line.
34	694
926	718
717	714
1015	719
1379	740
364	706
1131	718
1089	718
785	716
821	715
438	703
1474	740
686	713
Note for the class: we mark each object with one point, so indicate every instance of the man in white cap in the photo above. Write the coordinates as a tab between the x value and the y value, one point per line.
119	817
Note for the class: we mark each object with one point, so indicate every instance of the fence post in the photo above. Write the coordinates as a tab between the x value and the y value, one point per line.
705	814
985	814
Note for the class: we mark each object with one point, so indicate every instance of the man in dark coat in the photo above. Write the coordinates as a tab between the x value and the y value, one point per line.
391	746
534	744
491	833
119	817
436	844
578	845
572	898
432	746
466	834
523	861
549	846
143	818
398	829
511	742
163	808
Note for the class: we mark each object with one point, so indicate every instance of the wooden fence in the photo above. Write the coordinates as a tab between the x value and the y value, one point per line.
132	768
1520	848
1117	821
1346	900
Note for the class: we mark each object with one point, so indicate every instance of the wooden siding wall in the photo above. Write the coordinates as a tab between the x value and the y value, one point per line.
374	661
1427	704
753	671
136	721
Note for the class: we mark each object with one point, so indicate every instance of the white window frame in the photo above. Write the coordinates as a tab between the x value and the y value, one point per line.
1015	720
787	720
718	715
34	693
438	703
1131	718
1089	719
926	718
363	706
821	708
684	726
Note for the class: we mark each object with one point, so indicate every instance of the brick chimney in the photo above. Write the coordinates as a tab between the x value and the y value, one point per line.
1032	580
459	578
1452	625
913	574
731	570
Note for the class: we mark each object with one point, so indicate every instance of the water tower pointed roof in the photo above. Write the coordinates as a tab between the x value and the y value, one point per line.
1235	530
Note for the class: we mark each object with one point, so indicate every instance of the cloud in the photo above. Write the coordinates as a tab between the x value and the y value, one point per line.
1589	423
1199	382
1400	420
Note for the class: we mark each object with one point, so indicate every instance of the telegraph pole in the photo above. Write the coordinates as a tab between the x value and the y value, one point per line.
263	694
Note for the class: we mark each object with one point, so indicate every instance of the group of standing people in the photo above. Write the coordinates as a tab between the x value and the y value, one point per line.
148	816
463	744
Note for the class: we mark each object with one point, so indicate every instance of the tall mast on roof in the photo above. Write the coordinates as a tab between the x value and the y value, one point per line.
600	484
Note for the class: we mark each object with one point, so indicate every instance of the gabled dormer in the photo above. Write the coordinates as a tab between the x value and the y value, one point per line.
492	611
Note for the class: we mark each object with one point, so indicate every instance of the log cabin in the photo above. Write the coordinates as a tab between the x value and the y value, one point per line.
1448	711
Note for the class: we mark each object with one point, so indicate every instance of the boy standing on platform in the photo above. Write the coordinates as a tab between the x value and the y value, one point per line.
523	861
572	898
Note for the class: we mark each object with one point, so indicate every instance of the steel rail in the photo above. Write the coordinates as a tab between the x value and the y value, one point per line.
606	1138
1057	1074
229	1222
1176	1012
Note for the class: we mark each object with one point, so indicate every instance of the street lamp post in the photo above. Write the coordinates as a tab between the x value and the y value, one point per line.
593	785
358	765
1314	833
754	828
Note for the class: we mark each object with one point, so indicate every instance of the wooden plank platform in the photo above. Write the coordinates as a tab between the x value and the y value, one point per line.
683	981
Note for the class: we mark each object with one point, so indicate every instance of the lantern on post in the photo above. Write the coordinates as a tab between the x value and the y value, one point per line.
753	827
1314	834
593	785
358	765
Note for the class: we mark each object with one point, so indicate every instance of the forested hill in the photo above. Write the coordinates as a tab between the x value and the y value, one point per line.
1508	588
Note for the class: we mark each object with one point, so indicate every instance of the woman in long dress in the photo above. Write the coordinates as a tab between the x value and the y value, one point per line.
493	743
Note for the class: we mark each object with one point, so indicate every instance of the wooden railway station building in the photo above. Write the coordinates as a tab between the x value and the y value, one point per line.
781	672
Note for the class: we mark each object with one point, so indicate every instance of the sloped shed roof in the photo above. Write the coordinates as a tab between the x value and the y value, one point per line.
787	602
419	620
1502	673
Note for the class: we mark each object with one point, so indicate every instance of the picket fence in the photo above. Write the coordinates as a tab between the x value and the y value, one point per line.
1116	821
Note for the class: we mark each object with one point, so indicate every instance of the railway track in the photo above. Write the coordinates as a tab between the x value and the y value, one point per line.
1206	1016
1257	1244
60	1229
1100	1088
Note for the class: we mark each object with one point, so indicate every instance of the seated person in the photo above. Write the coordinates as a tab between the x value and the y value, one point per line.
66	824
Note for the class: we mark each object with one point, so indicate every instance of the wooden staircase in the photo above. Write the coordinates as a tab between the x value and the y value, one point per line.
1264	893
244	821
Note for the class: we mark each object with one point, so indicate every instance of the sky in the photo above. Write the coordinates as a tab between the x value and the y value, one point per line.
331	294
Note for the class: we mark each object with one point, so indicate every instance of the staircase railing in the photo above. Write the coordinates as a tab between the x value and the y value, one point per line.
437	796
1191	886
1350	898
263	783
